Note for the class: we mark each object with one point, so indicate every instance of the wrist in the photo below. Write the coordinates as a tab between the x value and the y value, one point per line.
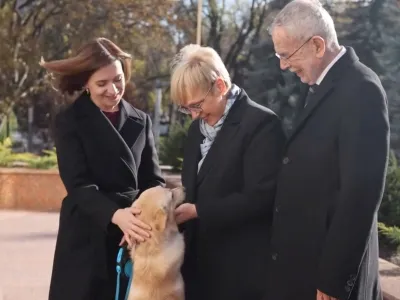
115	218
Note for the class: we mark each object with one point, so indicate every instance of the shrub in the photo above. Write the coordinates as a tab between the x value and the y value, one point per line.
171	147
6	155
28	160
389	212
390	235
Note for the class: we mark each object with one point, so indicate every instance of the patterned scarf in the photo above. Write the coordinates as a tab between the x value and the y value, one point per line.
210	132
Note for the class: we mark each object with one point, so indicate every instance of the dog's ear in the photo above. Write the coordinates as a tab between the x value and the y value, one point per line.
160	219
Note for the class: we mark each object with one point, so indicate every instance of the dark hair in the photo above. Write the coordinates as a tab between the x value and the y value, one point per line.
73	73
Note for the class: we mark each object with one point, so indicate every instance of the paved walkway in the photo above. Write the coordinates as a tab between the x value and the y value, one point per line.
27	243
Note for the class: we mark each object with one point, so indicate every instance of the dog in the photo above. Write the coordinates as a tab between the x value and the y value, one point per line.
158	260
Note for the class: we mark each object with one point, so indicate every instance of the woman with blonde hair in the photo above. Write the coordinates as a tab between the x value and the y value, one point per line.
231	160
106	157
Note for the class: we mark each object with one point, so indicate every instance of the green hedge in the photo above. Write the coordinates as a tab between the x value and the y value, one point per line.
8	159
389	212
171	147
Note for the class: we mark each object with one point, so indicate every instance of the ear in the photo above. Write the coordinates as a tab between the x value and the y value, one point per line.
220	84
160	220
319	46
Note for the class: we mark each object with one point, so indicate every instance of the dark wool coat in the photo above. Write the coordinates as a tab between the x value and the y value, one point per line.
103	169
329	190
227	247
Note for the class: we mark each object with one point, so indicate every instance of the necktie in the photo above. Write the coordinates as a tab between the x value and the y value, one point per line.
311	91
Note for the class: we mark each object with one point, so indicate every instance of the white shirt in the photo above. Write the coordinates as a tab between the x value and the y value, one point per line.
323	74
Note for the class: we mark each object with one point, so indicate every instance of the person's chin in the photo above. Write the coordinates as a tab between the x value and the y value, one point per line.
304	79
114	100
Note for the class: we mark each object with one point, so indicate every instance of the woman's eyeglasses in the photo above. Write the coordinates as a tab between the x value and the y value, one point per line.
195	107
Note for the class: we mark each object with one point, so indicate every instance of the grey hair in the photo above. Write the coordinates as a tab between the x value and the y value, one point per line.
303	19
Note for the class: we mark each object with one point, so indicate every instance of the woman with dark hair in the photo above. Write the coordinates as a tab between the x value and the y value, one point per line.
106	157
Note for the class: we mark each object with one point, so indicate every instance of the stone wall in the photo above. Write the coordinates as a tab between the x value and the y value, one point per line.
39	190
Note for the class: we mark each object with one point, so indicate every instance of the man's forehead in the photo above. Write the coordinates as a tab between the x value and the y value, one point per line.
282	41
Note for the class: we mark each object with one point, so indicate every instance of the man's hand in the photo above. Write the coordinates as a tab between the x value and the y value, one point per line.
322	296
185	212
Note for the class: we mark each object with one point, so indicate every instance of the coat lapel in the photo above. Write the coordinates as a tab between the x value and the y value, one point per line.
118	141
314	100
226	134
191	161
130	125
323	90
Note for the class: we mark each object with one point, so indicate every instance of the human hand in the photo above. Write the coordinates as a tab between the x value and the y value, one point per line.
131	226
322	296
185	212
126	239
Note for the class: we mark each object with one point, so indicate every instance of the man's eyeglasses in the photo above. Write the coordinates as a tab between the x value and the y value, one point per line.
287	58
195	107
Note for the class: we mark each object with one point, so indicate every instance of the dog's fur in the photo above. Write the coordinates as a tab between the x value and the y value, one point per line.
157	261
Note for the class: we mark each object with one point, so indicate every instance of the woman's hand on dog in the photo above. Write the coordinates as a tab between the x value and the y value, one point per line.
185	212
130	225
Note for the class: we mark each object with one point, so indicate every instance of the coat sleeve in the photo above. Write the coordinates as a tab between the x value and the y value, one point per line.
149	169
261	162
82	190
363	154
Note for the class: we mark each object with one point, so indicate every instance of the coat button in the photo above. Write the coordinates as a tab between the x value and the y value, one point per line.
285	160
276	209
350	283
274	256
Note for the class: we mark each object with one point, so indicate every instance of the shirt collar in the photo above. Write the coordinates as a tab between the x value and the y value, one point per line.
337	57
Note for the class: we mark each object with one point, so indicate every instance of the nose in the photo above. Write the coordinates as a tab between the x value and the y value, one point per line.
194	114
113	90
283	64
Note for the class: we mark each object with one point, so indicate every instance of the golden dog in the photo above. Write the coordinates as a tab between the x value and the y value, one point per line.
157	261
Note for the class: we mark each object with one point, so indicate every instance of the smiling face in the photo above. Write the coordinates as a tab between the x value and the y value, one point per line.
208	105
301	57
107	85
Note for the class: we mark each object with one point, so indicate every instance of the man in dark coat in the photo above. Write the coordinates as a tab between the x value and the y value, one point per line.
325	240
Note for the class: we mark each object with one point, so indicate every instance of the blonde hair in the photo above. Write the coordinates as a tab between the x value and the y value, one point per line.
194	69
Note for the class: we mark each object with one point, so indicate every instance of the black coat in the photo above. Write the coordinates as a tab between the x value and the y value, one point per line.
103	169
226	247
329	189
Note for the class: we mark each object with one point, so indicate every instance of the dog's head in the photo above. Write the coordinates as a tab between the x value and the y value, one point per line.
158	206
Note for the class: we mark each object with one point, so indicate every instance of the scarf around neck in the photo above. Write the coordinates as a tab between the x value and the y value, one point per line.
210	132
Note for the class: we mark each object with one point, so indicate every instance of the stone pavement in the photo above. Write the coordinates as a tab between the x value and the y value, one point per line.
27	243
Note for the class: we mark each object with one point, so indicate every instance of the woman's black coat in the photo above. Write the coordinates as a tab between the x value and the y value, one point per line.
227	247
103	168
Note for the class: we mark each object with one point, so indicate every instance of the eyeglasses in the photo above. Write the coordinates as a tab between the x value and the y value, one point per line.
287	58
195	107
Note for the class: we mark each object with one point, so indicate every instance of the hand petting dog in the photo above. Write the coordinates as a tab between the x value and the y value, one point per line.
185	212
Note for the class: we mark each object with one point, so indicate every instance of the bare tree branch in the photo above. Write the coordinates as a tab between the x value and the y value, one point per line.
25	4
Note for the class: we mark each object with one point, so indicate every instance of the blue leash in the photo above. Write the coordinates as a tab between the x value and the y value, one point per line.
124	267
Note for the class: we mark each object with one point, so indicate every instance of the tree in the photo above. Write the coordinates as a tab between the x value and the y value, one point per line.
230	29
54	29
20	26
